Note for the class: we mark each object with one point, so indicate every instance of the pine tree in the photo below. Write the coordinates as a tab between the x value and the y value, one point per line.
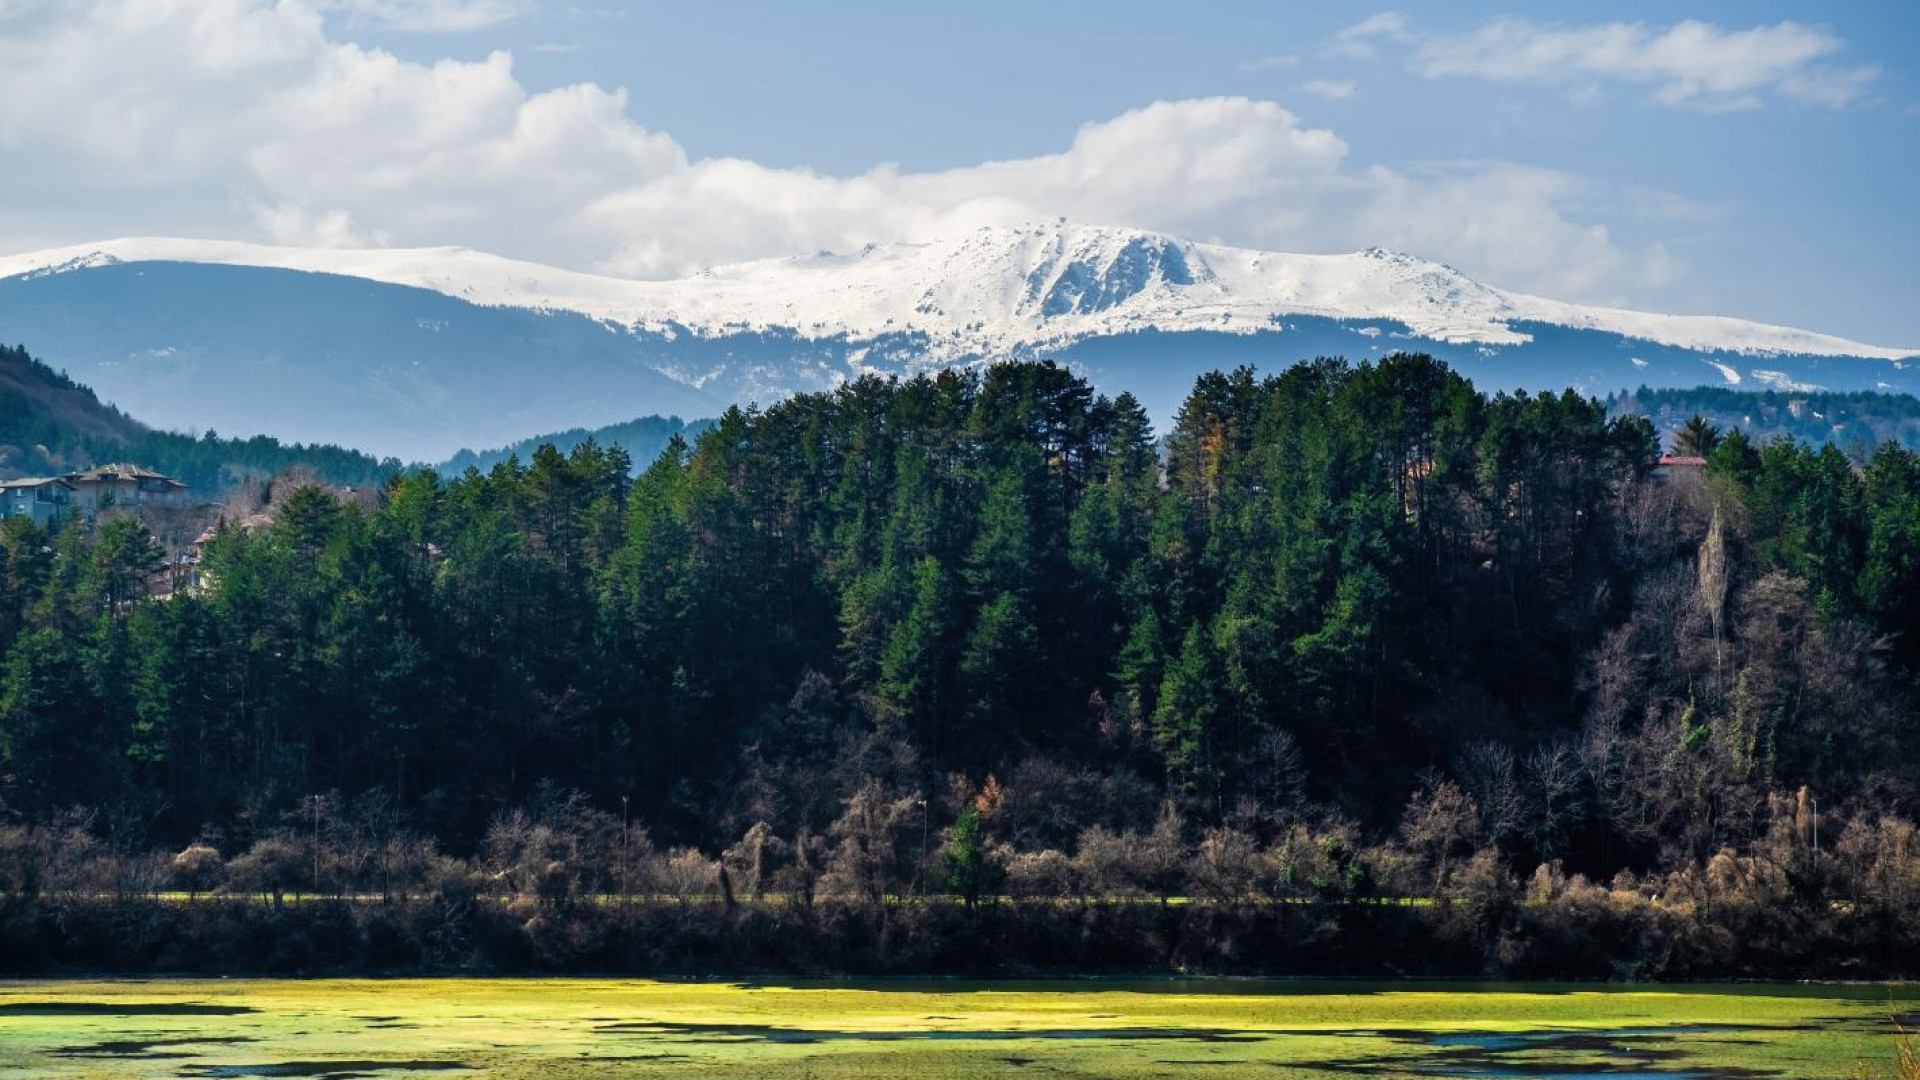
998	666
1188	712
910	689
969	866
1698	437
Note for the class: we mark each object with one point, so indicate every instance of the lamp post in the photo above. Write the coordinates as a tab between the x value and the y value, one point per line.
314	802
920	871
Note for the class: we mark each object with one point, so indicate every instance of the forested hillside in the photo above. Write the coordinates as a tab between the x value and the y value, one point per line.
641	438
1855	422
50	424
1362	632
41	407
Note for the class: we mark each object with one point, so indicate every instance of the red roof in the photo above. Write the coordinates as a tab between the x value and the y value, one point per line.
1680	461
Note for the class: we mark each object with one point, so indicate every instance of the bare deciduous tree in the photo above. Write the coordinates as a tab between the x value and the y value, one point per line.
1438	829
1554	779
1713	588
1486	772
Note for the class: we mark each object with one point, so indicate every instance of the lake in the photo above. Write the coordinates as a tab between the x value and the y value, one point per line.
339	1029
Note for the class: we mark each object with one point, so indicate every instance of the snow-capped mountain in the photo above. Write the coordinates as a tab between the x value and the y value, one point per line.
996	291
1136	310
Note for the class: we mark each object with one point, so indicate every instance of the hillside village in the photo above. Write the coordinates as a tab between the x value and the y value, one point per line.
180	519
47	499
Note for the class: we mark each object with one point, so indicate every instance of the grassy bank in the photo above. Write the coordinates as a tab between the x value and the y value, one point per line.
568	1027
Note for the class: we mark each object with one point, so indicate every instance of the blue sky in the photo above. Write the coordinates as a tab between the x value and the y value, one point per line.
1752	159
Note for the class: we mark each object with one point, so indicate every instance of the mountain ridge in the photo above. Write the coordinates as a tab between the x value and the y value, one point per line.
1067	282
642	438
416	353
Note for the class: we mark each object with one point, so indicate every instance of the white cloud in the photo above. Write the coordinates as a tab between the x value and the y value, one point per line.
1656	205
1512	223
1691	64
244	118
1836	88
1330	89
1587	95
1190	167
430	16
1267	63
1360	41
297	226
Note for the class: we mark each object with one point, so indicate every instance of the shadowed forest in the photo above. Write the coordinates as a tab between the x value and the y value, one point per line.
1356	670
50	424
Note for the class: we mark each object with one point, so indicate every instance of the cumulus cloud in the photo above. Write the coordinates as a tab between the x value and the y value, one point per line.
148	96
430	16
1189	167
1690	64
1500	214
298	226
249	114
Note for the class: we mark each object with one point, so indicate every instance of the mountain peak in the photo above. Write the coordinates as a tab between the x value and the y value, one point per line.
479	349
995	291
78	262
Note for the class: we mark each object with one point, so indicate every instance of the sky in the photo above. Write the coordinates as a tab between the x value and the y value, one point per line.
1755	159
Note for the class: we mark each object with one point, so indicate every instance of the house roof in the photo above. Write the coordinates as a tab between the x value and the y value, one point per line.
1682	461
32	482
119	471
259	520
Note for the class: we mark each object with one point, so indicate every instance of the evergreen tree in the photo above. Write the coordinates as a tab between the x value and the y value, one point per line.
969	866
911	680
1698	437
1188	712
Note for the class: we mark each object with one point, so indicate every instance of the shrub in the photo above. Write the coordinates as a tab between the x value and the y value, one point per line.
197	869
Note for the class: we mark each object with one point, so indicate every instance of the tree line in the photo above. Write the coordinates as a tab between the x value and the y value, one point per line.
1350	631
642	438
54	425
1856	420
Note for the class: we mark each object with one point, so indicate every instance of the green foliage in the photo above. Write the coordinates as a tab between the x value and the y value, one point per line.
1853	420
969	866
1185	722
50	424
1693	733
910	677
1698	437
1369	566
1888	585
642	439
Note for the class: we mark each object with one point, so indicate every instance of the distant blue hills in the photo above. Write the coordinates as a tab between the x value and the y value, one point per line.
417	374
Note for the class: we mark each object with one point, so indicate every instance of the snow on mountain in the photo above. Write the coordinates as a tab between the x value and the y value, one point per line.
420	352
998	292
462	273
